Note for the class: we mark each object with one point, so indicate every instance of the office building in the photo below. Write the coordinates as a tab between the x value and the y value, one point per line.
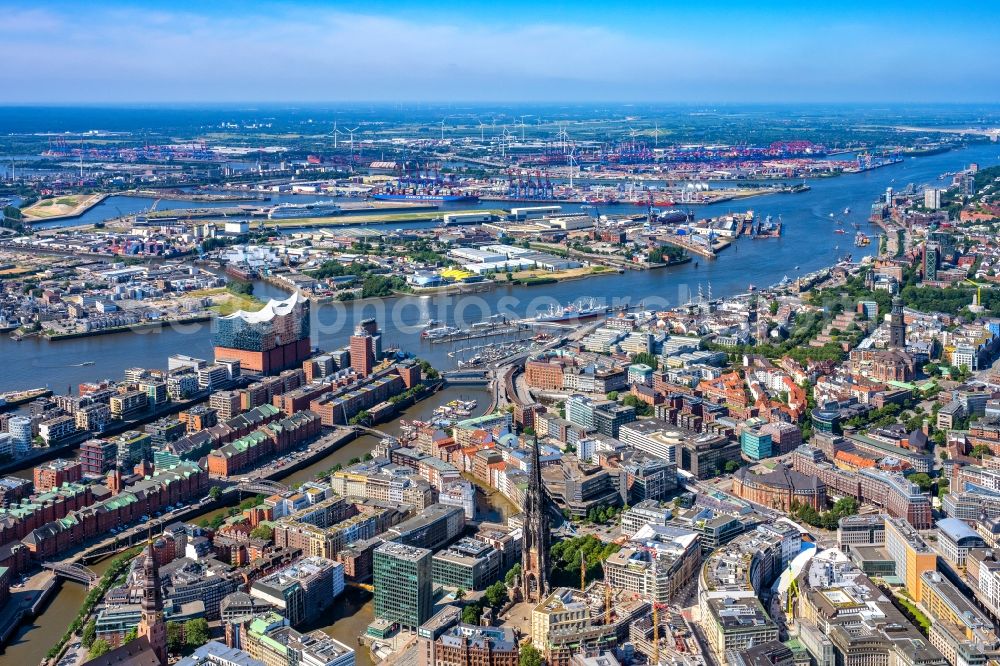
302	590
55	473
468	564
655	563
403	581
911	554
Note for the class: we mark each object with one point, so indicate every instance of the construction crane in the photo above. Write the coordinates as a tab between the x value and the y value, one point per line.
978	303
607	595
656	634
583	573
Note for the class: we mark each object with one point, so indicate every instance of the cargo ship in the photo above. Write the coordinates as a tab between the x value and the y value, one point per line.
290	211
443	198
13	399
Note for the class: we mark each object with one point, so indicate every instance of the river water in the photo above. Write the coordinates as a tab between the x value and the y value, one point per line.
808	243
344	622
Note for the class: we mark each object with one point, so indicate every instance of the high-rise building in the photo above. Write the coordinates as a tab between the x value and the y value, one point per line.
897	327
98	456
362	352
537	537
269	340
932	198
932	259
20	431
403	584
151	626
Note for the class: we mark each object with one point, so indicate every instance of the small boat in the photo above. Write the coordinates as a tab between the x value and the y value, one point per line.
431	323
831	215
847	211
751	288
839	231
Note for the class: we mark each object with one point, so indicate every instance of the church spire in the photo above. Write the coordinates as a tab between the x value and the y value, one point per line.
151	626
536	537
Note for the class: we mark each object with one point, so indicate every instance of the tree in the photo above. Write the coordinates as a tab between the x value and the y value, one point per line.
175	637
731	466
472	613
196	632
215	492
529	656
512	575
612	395
646	358
99	648
980	450
131	635
496	594
240	287
923	481
89	633
265	532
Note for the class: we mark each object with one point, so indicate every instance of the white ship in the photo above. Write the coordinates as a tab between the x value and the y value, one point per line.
290	211
586	309
440	332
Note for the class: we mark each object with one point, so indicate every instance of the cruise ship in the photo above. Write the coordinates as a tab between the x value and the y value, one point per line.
290	211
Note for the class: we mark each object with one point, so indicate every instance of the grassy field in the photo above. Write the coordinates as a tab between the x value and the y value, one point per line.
568	274
224	302
71	204
18	270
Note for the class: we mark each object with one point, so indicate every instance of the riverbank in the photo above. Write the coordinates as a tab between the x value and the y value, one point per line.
62	208
131	328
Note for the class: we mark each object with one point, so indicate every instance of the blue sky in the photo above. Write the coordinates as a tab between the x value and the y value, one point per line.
718	51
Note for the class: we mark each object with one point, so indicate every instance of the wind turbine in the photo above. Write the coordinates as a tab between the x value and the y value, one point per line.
482	135
656	135
522	128
351	133
442	127
336	133
572	159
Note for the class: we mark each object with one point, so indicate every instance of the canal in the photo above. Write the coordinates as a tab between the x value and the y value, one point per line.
344	622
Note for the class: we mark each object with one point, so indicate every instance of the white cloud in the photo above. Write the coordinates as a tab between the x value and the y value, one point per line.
115	55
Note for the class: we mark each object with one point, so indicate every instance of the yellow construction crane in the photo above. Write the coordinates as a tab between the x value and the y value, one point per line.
979	290
583	573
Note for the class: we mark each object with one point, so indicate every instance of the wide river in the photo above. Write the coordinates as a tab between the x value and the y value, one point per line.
808	243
